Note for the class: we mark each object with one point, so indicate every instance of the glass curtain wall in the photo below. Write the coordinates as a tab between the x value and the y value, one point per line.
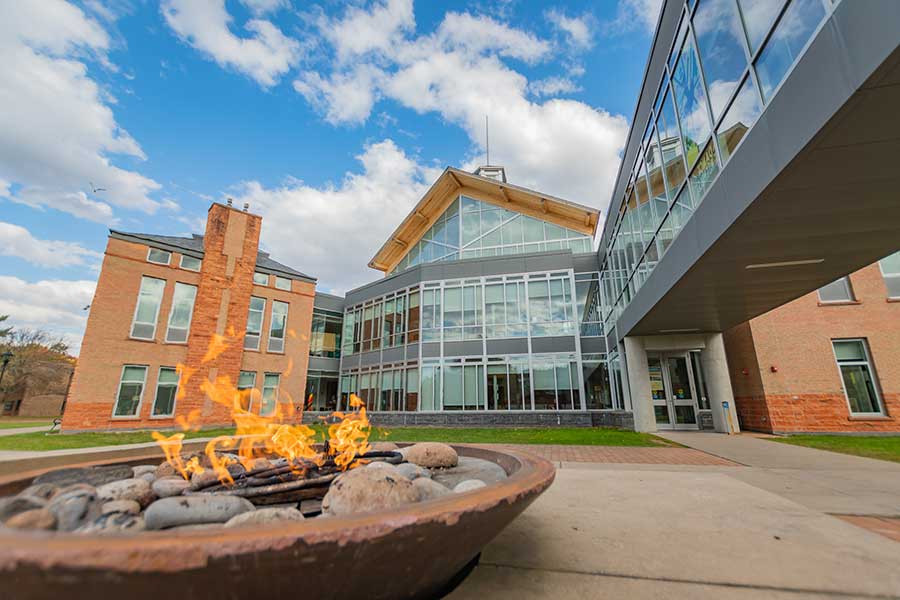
726	63
325	337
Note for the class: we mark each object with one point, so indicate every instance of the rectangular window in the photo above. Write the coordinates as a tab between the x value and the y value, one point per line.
245	385
269	394
181	312
190	263
131	390
596	382
690	100
160	257
347	336
146	312
890	270
431	315
260	278
857	374
254	323
453	314
836	291
413	318
412	389
325	338
278	326
283	283
587	297
741	116
787	41
166	391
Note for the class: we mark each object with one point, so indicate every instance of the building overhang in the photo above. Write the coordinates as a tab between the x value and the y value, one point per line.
453	183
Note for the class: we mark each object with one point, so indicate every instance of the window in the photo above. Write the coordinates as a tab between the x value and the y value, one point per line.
283	283
596	382
166	392
836	291
741	116
890	270
254	323
706	170
431	315
347	335
719	38
160	257
131	390
246	383
783	47
190	263
260	278
856	372
587	297
269	394
147	311
326	335
181	312
278	326
413	318
690	100
758	17
550	306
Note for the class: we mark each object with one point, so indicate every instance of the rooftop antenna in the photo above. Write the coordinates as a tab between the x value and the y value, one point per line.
487	139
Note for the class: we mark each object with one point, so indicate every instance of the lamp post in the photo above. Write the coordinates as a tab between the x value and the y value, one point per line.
6	356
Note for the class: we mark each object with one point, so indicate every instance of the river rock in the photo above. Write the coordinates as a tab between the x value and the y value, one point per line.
165	470
311	507
191	510
131	507
139	470
127	489
428	489
383	447
114	523
264	516
10	507
75	506
209	476
469	485
412	472
95	476
148	477
36	518
380	464
430	454
471	468
40	490
366	490
170	486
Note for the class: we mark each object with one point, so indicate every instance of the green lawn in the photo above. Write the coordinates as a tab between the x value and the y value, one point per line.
17	424
881	447
586	436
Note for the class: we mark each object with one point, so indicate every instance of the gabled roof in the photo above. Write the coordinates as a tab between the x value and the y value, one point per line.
454	182
193	246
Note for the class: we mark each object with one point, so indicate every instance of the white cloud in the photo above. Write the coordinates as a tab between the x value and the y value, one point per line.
553	86
634	15
18	241
56	306
261	7
57	130
578	30
361	31
204	24
344	97
331	232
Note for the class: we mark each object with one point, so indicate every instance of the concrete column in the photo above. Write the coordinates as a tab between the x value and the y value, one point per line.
639	384
718	384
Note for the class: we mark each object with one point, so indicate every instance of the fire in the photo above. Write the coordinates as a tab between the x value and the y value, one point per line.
256	437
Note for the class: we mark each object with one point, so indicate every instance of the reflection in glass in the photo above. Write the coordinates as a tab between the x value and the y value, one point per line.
691	102
596	383
758	16
706	170
718	30
790	36
741	116
670	146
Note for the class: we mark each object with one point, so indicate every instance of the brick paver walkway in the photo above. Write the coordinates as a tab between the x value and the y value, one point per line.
622	454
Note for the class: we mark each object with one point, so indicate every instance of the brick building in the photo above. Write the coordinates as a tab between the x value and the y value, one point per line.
826	362
41	392
164	301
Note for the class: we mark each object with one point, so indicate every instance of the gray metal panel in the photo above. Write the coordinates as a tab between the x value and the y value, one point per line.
593	345
350	361
412	351
512	346
462	348
318	363
431	350
584	263
549	261
328	302
542	345
367	359
393	355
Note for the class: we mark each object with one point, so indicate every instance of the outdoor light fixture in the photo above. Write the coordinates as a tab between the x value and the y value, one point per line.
787	263
687	330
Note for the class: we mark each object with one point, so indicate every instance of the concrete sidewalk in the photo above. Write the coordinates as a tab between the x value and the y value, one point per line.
826	481
18	430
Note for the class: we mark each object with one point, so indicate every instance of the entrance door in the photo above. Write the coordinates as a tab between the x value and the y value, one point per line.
672	391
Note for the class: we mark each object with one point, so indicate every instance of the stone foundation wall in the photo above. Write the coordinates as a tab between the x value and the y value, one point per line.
824	413
619	419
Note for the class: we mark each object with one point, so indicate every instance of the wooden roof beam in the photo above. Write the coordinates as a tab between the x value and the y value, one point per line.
455	179
505	194
544	208
400	242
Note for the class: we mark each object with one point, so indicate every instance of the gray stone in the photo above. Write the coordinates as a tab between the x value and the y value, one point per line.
40	490
10	507
192	510
95	476
470	468
383	447
131	507
127	489
209	476
366	490
140	470
411	471
380	464
265	516
428	489
114	523
430	454
469	485
148	477
165	470
75	506
170	486
197	527
311	507
36	518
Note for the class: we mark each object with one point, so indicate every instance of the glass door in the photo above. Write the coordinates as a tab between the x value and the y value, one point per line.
672	391
658	393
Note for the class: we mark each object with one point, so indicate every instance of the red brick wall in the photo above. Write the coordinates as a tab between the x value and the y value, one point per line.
793	360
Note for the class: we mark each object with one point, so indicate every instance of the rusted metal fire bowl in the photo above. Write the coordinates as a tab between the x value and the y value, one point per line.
412	552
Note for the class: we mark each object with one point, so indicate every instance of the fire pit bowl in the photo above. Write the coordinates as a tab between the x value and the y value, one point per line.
414	551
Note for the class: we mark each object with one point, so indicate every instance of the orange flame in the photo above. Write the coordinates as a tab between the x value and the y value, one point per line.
275	435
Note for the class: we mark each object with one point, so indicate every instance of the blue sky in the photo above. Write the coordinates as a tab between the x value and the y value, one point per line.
329	118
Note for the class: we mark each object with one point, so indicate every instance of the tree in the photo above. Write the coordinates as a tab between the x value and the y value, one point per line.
4	332
40	360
